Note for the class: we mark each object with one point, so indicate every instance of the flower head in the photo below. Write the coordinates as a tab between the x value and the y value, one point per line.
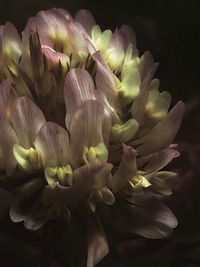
84	127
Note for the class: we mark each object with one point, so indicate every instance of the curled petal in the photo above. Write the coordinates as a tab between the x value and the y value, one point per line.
162	134
23	196
125	132
97	244
27	119
55	57
126	170
52	145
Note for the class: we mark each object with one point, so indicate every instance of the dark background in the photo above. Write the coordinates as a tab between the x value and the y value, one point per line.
170	30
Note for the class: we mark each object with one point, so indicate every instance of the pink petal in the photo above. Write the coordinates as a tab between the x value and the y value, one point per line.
5	97
126	170
79	87
106	81
52	144
85	129
149	217
162	134
27	119
160	159
97	244
8	138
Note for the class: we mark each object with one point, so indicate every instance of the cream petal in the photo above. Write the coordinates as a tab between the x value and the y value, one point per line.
85	18
115	52
8	139
147	66
52	145
27	119
79	47
85	129
79	87
11	43
138	106
126	170
162	134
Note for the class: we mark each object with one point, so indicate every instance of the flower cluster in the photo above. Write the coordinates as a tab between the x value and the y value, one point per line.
84	129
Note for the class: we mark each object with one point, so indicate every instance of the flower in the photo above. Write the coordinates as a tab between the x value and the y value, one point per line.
84	129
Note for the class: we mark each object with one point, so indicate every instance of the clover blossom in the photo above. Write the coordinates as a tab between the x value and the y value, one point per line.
84	128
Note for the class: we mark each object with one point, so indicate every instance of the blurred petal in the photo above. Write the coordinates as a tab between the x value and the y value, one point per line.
27	119
85	18
128	35
126	170
162	134
52	145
